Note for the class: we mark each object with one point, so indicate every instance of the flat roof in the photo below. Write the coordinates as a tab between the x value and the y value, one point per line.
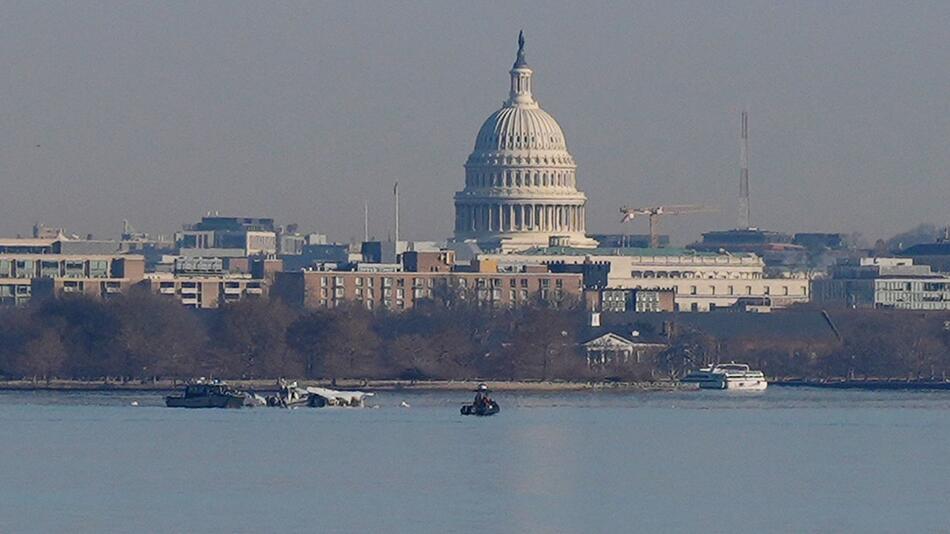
26	242
613	251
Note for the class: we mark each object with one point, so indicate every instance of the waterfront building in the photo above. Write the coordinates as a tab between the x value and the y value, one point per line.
194	290
611	349
889	283
520	180
700	281
26	276
400	290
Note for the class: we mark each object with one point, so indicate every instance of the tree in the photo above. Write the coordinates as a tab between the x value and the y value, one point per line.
43	356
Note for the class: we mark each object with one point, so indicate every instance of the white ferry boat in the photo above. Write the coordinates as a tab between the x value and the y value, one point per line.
734	376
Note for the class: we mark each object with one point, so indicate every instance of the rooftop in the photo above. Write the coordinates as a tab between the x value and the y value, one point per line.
628	251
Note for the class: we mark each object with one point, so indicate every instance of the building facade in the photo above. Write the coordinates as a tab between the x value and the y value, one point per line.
888	283
27	276
700	281
520	180
401	290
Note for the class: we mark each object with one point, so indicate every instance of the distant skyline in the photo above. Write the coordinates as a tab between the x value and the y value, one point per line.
159	112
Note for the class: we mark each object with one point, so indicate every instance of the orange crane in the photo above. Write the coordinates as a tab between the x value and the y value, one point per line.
655	212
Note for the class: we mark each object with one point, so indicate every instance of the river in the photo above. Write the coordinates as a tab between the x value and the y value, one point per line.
786	460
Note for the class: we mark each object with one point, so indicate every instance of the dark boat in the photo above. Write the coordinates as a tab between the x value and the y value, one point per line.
214	395
483	404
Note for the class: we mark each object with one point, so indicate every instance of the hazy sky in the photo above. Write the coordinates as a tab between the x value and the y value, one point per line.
160	111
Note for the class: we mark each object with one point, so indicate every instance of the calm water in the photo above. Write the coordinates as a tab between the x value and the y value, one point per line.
787	460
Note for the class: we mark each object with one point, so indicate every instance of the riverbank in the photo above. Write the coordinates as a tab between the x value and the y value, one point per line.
460	385
369	385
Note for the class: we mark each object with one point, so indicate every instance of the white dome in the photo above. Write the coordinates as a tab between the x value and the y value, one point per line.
520	186
515	127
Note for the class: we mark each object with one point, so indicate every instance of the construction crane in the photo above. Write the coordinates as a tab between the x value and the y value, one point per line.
655	212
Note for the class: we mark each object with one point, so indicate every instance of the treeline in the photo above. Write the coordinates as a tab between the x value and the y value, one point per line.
143	337
870	344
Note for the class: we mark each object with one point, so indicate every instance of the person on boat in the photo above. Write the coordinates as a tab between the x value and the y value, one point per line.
481	396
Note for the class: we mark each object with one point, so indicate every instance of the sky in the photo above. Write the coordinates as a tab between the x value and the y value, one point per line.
159	112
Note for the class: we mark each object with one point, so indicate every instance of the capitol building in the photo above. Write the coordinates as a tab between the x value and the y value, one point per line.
520	180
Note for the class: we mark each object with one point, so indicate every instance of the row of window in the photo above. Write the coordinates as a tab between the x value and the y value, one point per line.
337	282
766	290
26	269
720	275
521	179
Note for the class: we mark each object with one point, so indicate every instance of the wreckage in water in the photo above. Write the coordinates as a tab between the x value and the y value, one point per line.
291	395
211	395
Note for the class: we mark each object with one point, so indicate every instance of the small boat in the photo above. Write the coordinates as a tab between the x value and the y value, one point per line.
732	376
483	404
211	395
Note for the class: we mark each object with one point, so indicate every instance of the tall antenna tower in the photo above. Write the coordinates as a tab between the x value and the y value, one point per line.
365	221
744	215
396	215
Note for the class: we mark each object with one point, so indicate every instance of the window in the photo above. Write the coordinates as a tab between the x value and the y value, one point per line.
24	268
49	269
766	290
524	282
75	269
692	290
98	268
512	283
559	283
338	292
387	282
359	281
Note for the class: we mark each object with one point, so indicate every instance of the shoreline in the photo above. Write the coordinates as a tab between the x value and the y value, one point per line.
270	385
367	385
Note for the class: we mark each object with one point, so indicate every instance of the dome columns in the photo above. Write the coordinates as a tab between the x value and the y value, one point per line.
527	216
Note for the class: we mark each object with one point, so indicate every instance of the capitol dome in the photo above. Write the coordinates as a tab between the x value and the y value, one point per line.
520	189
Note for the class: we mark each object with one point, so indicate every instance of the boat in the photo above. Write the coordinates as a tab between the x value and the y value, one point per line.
732	376
207	395
483	405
